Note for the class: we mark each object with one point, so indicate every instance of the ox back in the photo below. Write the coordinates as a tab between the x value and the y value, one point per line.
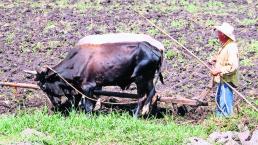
93	66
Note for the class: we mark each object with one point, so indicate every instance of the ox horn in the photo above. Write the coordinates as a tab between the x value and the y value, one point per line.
30	72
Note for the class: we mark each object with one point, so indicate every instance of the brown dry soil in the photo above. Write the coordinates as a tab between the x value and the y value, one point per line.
41	33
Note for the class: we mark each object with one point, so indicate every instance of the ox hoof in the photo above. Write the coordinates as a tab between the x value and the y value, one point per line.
87	105
146	109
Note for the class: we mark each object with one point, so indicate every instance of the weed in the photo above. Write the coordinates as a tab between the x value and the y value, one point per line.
215	4
37	46
182	40
82	6
247	22
167	43
49	25
178	24
246	62
53	44
36	4
181	58
210	23
170	54
253	47
62	3
213	42
24	47
191	8
153	31
9	38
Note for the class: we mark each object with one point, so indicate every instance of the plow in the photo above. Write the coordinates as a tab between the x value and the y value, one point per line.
123	98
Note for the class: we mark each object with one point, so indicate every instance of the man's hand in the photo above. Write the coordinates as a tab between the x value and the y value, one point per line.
215	71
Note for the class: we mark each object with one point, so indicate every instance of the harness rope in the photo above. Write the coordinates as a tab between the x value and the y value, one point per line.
192	54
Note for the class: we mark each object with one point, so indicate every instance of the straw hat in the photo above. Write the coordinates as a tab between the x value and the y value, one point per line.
227	29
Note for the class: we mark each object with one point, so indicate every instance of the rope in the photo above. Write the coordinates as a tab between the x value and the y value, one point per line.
192	54
84	96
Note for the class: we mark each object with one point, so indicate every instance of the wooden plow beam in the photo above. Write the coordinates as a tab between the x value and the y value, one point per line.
173	100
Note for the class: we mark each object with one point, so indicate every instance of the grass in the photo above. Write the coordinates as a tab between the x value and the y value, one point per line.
9	38
247	22
62	3
113	128
37	46
246	62
153	31
104	129
192	8
178	23
253	47
170	54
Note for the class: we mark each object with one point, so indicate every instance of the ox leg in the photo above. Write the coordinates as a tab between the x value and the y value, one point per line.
141	91
150	93
87	104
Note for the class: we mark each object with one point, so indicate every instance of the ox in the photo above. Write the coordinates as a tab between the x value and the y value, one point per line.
118	59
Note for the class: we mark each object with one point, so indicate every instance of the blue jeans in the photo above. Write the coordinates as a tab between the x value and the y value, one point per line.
225	100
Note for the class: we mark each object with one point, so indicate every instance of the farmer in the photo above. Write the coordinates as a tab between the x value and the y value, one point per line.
225	69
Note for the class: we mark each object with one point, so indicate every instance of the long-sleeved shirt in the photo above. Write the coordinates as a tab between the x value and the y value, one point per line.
227	61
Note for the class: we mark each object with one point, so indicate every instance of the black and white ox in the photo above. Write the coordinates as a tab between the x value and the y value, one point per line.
118	59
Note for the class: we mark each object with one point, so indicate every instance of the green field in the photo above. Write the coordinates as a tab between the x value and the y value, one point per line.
114	128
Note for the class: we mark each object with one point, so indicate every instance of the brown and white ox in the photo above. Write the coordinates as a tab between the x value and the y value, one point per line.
118	59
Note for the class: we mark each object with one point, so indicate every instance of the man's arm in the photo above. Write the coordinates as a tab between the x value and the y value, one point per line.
233	61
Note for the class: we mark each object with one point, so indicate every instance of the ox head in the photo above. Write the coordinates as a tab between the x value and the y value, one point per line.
54	87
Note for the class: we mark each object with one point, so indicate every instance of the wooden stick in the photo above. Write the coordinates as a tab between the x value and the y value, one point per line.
181	100
20	85
116	94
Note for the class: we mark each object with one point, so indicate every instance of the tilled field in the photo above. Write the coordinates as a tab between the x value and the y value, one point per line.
41	33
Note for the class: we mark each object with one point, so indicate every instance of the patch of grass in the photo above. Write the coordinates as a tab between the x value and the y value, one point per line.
191	8
167	43
24	47
9	38
49	25
182	40
253	47
113	128
53	44
215	4
247	22
2	4
103	129
246	62
82	6
36	4
153	31
184	2
36	47
210	23
62	3
213	42
170	54
178	23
